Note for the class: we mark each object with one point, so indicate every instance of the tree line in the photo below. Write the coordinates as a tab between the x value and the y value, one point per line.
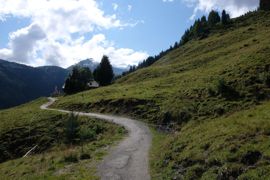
200	29
79	78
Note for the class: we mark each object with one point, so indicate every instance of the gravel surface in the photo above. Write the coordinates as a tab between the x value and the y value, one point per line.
129	159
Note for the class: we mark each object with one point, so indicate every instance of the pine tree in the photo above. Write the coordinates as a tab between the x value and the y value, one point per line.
72	128
197	28
213	18
104	72
186	37
204	20
225	18
175	45
77	80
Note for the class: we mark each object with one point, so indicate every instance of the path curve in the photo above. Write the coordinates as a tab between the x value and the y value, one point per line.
128	160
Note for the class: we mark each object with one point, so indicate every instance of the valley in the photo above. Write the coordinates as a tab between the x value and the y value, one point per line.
21	83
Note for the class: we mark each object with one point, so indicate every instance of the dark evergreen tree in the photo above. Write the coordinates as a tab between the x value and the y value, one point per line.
197	28
104	72
77	80
265	5
213	18
204	20
72	129
204	26
200	28
176	45
186	37
225	18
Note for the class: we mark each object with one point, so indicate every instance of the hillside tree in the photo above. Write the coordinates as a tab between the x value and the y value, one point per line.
77	80
213	18
103	74
225	18
72	128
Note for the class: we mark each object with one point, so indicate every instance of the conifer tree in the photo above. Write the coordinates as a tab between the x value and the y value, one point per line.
225	18
104	72
77	80
72	129
213	18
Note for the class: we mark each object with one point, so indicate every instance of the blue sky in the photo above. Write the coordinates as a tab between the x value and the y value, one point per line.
62	32
162	24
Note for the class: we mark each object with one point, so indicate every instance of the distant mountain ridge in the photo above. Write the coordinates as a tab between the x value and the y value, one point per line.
21	83
85	63
92	65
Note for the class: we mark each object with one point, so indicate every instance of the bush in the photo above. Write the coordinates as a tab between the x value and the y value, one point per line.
87	133
267	79
178	117
85	156
71	157
226	91
183	116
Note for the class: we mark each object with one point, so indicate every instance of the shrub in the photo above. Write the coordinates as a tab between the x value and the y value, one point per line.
71	157
87	133
267	79
183	116
178	117
226	91
85	156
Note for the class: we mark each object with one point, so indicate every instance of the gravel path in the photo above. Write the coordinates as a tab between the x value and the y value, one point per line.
129	159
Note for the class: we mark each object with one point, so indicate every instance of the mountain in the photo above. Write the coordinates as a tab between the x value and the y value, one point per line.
20	83
85	63
209	100
91	64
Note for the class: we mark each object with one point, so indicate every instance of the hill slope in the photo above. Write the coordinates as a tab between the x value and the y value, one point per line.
209	92
27	126
221	74
20	83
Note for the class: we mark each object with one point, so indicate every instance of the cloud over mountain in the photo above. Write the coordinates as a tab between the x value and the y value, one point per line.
234	7
62	31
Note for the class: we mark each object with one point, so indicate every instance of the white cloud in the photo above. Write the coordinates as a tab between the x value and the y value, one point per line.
57	33
95	48
129	7
23	43
115	6
234	7
167	0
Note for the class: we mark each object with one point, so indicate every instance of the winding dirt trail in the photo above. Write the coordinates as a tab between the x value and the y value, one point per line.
129	159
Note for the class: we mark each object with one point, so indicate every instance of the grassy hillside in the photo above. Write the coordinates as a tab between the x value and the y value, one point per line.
25	126
230	147
221	74
209	91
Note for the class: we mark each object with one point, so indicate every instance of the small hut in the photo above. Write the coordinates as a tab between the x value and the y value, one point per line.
93	84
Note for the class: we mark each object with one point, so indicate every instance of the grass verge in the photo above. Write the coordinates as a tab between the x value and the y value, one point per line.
232	147
25	126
